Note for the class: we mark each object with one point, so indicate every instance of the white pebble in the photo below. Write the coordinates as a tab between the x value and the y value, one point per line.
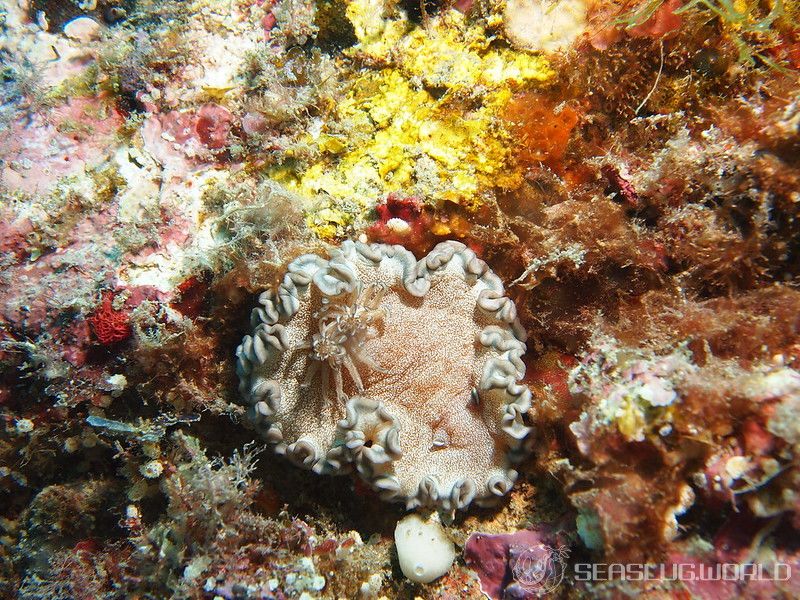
424	551
82	29
398	226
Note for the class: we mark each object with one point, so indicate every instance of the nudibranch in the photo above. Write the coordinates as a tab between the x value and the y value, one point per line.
406	371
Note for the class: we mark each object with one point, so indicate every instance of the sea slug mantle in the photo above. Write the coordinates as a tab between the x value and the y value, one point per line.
408	371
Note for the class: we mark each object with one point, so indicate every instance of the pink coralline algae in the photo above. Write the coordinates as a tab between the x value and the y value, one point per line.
507	563
67	140
661	23
13	236
213	126
186	139
740	545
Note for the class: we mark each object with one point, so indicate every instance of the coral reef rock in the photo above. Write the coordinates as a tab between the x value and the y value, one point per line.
408	371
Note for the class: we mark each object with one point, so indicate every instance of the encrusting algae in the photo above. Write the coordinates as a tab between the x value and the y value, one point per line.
420	118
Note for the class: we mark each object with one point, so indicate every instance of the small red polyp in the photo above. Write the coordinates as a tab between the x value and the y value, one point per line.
109	325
